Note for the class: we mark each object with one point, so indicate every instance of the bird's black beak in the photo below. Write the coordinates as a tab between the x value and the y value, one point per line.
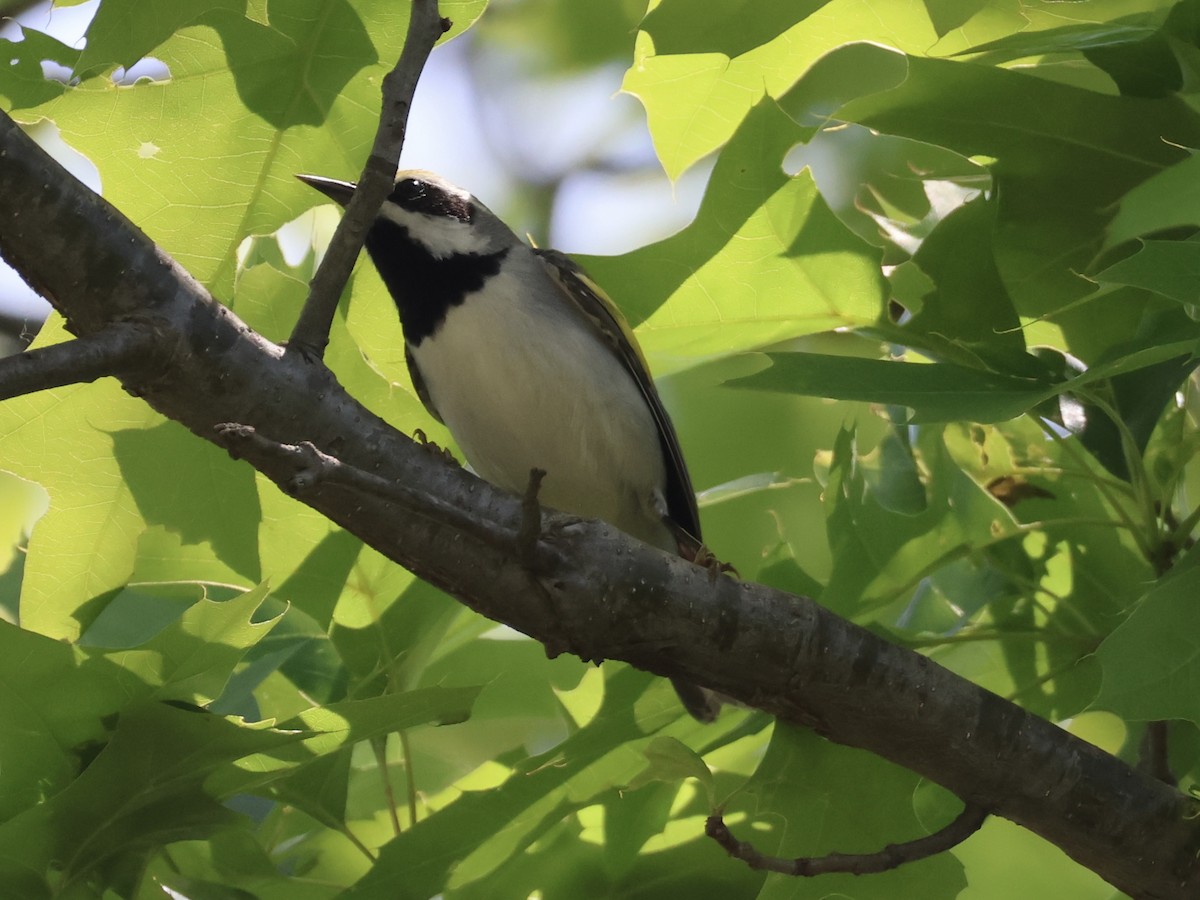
338	191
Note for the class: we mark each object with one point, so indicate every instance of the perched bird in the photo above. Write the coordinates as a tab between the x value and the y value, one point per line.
529	364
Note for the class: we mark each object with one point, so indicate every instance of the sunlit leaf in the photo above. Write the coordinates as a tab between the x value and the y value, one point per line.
699	89
1168	268
765	259
1170	199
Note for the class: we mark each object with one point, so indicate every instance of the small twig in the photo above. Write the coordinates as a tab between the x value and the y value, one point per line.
410	777
311	334
889	857
379	745
314	468
531	520
115	350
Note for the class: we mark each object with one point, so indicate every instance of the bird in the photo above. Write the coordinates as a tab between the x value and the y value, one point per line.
529	364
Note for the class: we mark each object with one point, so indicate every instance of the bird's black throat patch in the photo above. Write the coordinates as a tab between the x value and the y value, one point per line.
424	287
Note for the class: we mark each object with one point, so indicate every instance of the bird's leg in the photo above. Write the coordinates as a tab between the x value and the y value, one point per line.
531	520
528	536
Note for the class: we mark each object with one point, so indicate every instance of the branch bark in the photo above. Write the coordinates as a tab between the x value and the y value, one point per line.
596	593
120	348
890	857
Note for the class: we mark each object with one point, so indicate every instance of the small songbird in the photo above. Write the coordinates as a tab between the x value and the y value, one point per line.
530	365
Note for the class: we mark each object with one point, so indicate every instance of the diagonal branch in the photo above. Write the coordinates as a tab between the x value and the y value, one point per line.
311	334
121	348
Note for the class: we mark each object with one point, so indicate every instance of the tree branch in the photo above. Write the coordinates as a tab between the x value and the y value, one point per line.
118	349
890	857
311	334
610	596
312	468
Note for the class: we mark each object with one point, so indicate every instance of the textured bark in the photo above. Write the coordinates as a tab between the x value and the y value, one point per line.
591	591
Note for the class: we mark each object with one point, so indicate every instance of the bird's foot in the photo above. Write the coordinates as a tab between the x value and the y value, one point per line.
436	449
707	560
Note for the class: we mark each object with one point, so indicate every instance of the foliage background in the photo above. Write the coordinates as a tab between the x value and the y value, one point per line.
971	222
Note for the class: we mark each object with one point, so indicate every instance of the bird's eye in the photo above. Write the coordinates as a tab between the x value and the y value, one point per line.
422	197
409	192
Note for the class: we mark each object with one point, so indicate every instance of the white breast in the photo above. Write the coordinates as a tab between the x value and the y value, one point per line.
522	385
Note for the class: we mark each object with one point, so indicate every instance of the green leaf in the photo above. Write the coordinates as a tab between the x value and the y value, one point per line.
1170	199
143	790
325	731
22	79
85	546
810	797
252	88
696	100
562	36
22	503
631	819
1003	853
1157	64
969	314
936	392
56	699
420	861
1067	39
881	186
460	844
135	614
765	259
672	760
731	27
194	657
215	504
1138	382
947	15
1151	663
118	34
1055	172
1168	268
881	555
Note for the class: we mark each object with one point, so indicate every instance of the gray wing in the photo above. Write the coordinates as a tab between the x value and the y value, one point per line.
612	328
418	382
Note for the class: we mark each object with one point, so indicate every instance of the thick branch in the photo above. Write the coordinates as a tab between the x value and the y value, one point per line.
119	349
610	596
311	334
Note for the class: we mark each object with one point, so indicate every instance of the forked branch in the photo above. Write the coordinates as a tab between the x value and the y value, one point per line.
118	349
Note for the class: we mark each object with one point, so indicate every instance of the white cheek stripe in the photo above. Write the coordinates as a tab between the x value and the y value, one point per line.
442	237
